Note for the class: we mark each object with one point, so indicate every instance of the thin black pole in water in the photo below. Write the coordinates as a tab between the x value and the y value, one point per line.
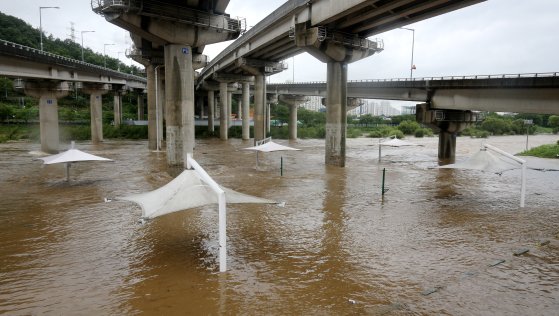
383	177
281	166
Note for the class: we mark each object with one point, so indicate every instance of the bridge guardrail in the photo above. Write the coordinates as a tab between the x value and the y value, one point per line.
499	76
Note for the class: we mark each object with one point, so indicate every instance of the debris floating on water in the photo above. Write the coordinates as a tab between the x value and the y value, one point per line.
430	291
281	204
497	262
521	251
108	200
352	301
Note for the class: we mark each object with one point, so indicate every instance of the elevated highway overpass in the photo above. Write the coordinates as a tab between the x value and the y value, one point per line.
520	93
49	77
172	33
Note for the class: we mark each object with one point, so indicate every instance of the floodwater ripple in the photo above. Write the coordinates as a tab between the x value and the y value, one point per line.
438	242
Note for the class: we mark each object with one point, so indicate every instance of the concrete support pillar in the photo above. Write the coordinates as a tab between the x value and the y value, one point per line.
152	115
449	123
447	146
117	108
160	82
245	110
200	101
179	103
211	110
96	92
239	108
293	122
48	94
223	108
270	99
259	103
336	114
337	54
229	109
96	109
293	101
140	106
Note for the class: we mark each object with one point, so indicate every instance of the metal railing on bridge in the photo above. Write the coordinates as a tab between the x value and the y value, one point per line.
441	78
168	11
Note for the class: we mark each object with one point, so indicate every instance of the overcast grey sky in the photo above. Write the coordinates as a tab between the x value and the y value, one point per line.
493	37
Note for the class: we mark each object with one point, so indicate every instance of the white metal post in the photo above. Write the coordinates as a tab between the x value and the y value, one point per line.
222	215
523	170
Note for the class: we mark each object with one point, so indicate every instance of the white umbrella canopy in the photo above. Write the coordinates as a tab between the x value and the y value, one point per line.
184	192
395	142
486	161
269	147
70	156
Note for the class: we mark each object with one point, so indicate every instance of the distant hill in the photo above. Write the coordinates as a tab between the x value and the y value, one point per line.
16	30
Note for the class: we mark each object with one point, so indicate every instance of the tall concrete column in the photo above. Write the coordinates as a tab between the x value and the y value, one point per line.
96	91
201	105
160	82
211	109
179	103
245	110
229	109
268	117
336	114
293	101
223	111
117	108
140	106
259	103
152	115
48	94
96	110
337	54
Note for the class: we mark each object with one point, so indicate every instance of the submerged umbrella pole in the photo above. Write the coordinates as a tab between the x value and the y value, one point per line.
222	217
68	171
523	169
379	149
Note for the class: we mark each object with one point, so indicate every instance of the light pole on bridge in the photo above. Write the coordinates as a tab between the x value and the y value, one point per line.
82	40
105	53
41	22
412	66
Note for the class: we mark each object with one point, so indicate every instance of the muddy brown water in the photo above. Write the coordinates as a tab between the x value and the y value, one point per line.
337	247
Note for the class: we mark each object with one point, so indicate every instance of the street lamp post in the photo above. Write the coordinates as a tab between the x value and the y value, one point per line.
41	22
412	66
118	59
82	40
105	54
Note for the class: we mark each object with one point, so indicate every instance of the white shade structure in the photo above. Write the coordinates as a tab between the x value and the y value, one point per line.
392	141
70	156
267	145
193	188
496	161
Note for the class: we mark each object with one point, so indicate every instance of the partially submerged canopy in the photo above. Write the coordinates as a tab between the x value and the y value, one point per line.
395	142
184	192
71	155
269	147
486	161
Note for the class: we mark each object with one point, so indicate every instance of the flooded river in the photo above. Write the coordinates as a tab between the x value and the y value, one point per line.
434	245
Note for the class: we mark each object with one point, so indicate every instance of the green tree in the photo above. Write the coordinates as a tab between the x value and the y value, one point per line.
496	125
554	123
409	127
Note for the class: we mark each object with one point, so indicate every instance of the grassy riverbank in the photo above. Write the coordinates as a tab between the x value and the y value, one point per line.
544	151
